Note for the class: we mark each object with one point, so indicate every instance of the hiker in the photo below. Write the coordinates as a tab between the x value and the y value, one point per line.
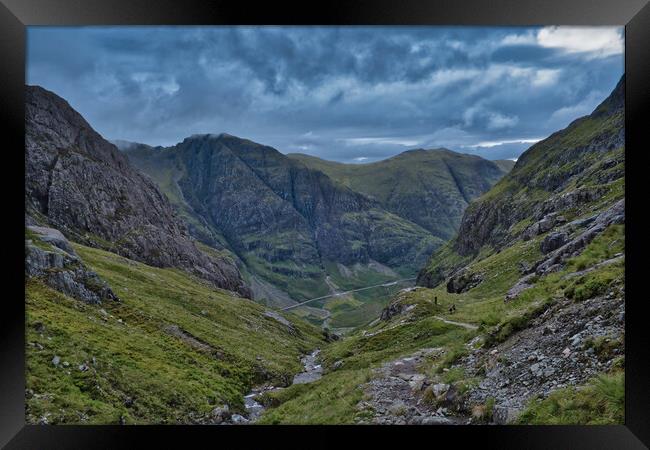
435	300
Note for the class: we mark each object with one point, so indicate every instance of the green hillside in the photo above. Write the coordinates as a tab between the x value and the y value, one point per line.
170	352
360	355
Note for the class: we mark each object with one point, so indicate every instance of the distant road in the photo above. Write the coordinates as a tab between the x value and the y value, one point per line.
339	294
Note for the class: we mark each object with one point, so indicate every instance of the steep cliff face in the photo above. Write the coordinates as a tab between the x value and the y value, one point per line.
573	172
567	169
283	219
429	187
84	186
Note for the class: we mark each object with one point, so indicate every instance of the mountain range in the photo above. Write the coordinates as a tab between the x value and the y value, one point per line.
293	223
141	264
431	188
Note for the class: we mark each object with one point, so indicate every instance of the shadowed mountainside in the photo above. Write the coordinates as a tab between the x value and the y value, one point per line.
84	186
289	224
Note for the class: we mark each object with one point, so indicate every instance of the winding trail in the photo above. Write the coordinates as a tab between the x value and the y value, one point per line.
469	326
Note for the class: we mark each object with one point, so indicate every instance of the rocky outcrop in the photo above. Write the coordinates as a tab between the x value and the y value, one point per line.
547	223
394	308
397	307
84	186
484	222
575	198
463	281
520	286
535	187
50	257
553	261
553	241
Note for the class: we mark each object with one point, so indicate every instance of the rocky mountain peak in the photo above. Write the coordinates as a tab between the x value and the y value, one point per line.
81	184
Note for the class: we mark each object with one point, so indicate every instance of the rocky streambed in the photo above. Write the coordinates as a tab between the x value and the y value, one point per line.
312	371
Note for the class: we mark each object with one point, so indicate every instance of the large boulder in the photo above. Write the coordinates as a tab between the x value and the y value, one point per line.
463	281
390	311
547	223
611	216
553	241
520	286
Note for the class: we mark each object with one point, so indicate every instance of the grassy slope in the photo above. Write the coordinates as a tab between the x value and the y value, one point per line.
380	179
134	357
505	164
600	402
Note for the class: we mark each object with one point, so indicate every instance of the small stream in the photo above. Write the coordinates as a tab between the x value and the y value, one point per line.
311	372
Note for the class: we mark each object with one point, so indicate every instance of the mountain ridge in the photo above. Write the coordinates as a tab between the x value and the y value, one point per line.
265	197
428	187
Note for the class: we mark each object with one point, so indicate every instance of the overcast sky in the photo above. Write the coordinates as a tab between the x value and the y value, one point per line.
352	94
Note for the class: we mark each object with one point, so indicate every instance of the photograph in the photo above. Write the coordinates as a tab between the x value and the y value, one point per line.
322	225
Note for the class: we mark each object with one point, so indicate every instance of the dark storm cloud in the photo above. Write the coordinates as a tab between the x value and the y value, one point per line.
349	93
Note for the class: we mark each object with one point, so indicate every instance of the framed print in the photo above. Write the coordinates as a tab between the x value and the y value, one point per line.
367	221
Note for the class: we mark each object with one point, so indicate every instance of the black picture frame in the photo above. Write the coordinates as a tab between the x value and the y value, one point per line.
15	15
